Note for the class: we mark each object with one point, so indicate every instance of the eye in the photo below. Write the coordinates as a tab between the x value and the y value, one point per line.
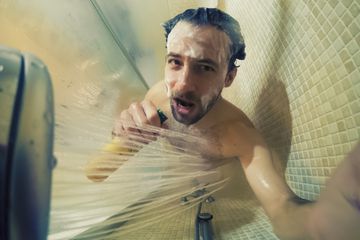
174	62
206	68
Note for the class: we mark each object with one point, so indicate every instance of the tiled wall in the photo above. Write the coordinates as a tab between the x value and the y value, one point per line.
300	82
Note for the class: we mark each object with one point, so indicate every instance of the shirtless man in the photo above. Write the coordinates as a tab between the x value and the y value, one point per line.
202	47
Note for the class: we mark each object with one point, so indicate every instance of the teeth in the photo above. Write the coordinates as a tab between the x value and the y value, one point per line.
185	104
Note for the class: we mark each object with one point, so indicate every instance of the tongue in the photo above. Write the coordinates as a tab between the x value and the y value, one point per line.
183	107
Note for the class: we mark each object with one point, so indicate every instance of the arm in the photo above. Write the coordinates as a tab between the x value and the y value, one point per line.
337	212
99	168
335	215
128	126
288	213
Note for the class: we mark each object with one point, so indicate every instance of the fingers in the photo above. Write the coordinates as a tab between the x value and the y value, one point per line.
137	111
151	113
133	122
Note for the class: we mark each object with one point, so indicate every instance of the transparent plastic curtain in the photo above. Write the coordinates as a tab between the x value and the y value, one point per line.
99	64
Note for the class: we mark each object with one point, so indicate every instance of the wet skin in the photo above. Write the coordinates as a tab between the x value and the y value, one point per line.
196	71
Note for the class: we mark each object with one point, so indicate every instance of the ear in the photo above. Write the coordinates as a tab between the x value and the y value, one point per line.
230	76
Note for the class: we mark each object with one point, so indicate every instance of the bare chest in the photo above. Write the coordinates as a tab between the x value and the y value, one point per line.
217	140
205	142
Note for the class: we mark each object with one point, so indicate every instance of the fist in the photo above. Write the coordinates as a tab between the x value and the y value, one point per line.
140	122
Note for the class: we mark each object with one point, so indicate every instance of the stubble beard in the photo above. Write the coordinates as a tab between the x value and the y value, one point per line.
205	108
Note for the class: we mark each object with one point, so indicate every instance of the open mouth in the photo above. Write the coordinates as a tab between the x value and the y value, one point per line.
183	103
183	106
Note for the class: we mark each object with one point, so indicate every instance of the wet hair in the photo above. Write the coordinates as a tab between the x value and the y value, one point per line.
220	20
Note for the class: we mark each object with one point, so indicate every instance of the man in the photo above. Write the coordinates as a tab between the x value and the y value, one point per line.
202	47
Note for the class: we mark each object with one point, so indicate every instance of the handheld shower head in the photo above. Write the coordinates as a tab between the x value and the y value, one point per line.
26	145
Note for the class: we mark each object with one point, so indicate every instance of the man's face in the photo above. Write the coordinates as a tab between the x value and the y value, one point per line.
196	69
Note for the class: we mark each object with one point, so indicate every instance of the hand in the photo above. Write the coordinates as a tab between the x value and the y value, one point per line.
336	214
135	122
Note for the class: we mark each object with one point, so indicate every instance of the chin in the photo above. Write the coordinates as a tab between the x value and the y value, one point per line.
186	120
183	120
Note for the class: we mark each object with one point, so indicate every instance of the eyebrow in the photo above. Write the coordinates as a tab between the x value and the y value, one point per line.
208	62
198	60
171	54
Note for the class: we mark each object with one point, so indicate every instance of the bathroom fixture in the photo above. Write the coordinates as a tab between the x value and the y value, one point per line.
203	226
26	145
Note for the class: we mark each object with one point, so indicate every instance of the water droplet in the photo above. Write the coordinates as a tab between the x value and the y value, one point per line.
1	68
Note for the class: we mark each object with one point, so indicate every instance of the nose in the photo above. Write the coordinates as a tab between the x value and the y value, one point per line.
185	80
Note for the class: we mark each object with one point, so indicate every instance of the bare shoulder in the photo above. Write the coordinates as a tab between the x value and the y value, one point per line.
238	134
238	126
236	116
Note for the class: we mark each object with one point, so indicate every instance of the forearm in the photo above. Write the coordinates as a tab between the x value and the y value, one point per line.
291	219
288	213
112	156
